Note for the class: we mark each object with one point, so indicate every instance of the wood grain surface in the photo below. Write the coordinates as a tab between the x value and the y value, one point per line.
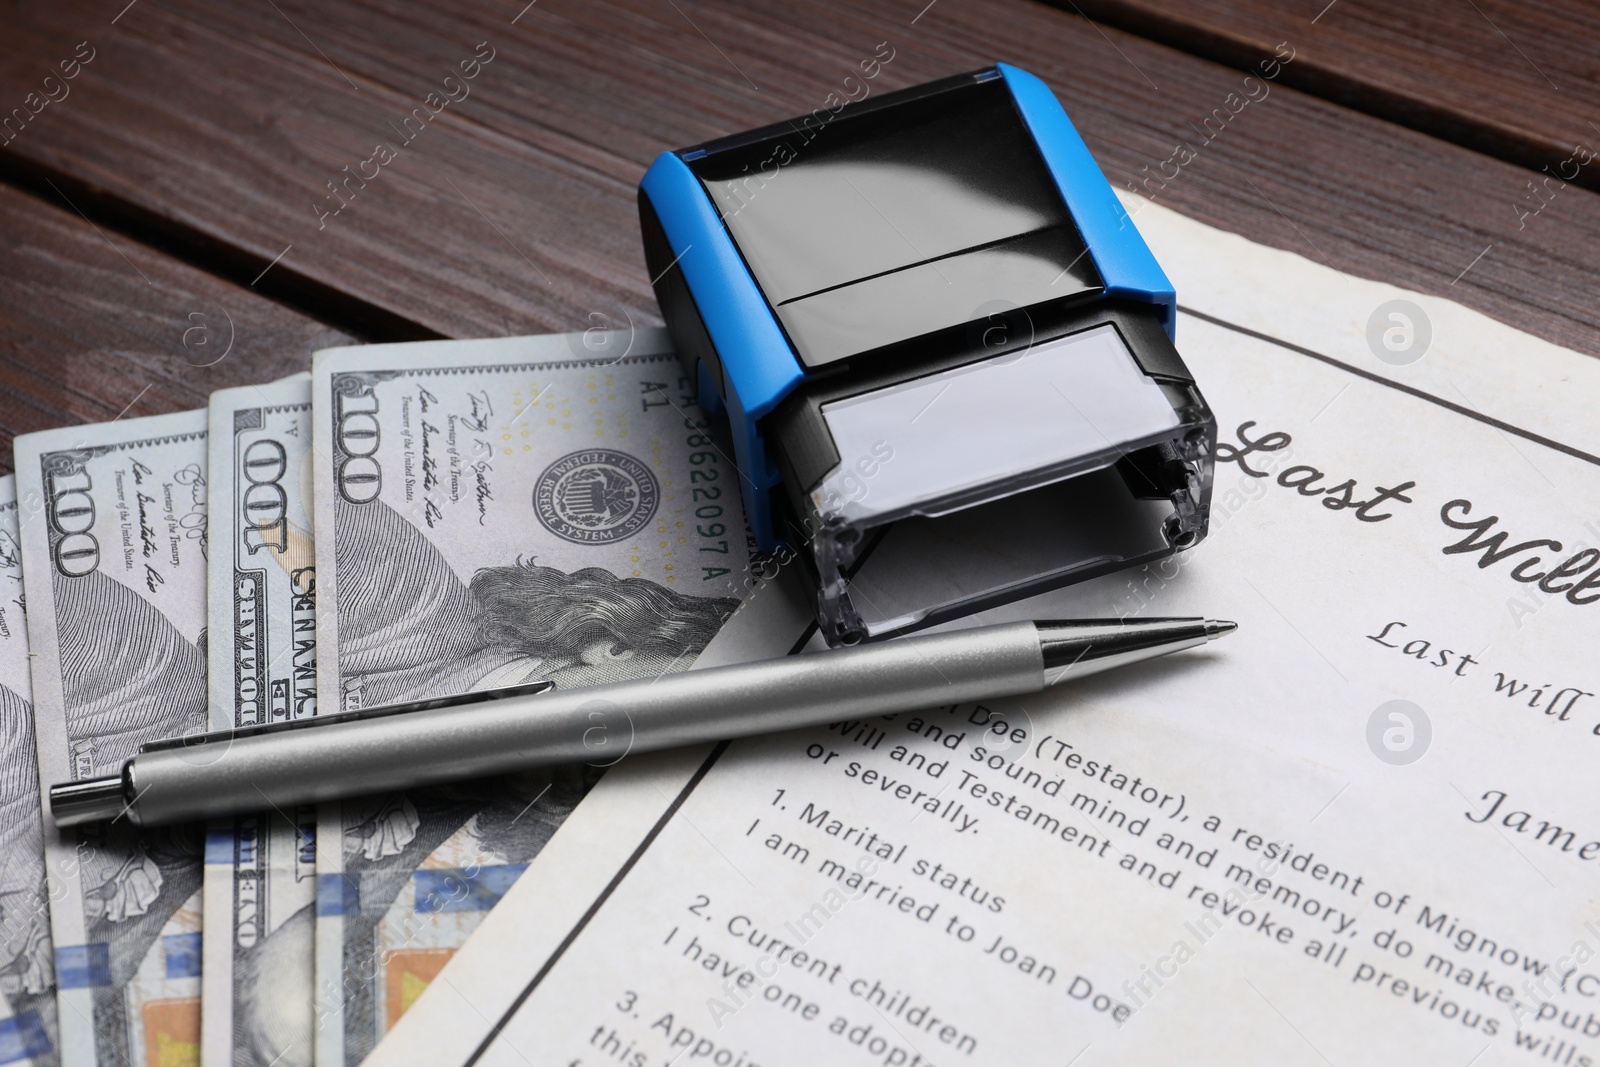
96	326
211	132
1511	79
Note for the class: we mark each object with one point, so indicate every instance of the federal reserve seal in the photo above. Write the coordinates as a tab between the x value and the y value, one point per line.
596	496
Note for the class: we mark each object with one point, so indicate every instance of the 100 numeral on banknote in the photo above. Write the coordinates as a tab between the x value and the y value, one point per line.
264	580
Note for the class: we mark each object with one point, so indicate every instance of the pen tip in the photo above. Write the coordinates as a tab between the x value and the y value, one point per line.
1215	628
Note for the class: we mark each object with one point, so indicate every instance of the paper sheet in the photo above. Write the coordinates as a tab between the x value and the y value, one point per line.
1362	829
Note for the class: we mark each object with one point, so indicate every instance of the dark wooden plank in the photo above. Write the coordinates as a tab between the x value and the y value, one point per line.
192	124
514	210
1510	79
94	326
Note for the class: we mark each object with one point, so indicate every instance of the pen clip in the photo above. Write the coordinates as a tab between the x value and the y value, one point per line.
526	689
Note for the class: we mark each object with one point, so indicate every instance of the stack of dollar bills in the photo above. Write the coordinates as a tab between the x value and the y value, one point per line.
404	522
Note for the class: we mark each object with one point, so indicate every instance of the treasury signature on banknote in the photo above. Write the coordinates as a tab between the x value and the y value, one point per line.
260	870
491	513
113	531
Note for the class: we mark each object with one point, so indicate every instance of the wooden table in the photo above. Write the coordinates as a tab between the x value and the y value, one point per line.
168	213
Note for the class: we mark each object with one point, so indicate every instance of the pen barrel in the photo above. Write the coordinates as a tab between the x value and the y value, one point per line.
598	725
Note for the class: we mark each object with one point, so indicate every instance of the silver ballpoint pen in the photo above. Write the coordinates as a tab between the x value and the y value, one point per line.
403	746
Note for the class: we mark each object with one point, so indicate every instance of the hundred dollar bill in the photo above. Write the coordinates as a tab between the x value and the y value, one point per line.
260	870
27	969
114	564
491	513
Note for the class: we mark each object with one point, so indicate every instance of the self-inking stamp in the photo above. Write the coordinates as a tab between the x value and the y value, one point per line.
939	341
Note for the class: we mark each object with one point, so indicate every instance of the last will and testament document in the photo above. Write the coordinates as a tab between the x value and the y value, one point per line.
1363	829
